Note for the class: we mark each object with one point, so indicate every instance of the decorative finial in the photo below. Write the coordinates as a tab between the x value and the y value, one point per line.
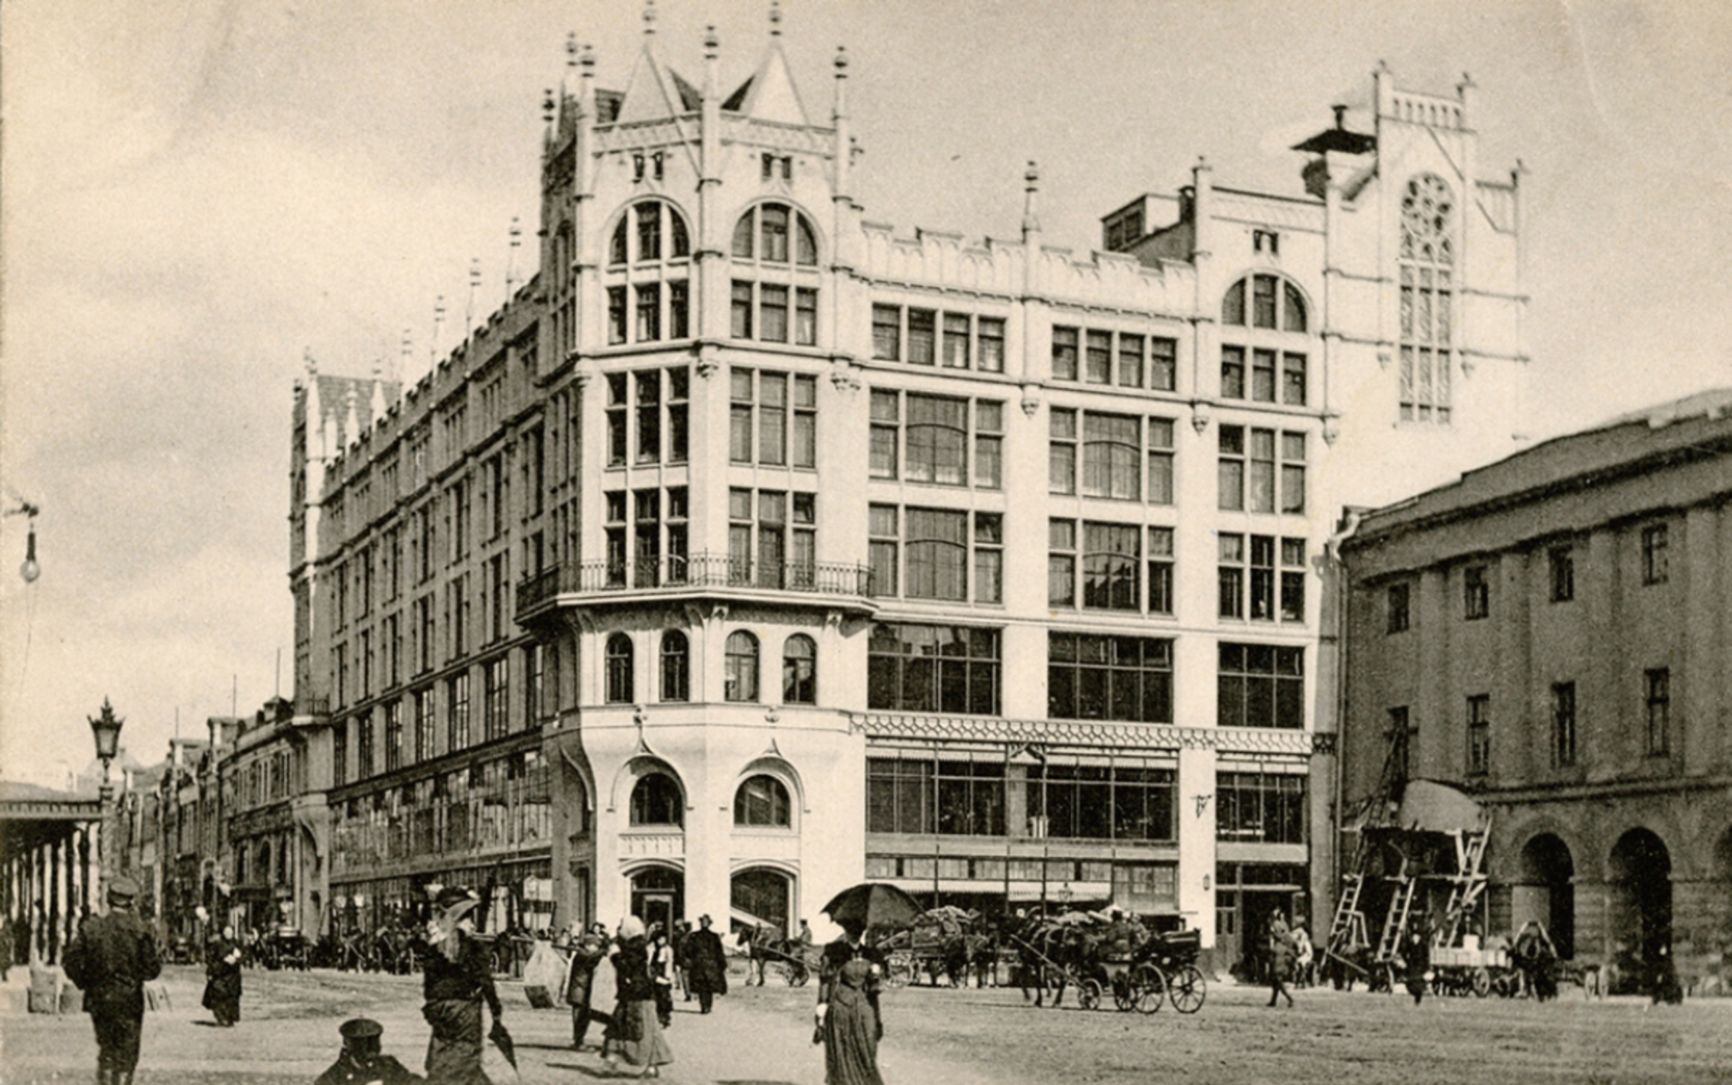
841	62
475	271
1467	80
547	105
649	18
711	42
571	49
775	18
588	60
1031	177
1340	115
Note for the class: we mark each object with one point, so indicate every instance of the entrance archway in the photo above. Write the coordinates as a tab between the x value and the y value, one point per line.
1547	892
1640	884
760	895
658	895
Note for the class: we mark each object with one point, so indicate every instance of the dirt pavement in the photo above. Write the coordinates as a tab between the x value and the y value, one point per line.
762	1037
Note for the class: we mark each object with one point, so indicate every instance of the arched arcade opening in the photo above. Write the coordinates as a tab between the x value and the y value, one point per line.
1547	892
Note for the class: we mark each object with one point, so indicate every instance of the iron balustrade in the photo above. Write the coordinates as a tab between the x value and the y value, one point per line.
695	571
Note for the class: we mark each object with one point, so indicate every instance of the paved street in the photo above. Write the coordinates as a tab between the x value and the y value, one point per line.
762	1036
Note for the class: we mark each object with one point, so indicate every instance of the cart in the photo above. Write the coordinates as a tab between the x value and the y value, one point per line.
795	961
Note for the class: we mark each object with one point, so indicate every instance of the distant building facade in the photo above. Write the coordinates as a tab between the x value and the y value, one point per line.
751	550
1551	634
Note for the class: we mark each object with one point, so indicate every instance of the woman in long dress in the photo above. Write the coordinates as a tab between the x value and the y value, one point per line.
851	1027
635	1032
222	989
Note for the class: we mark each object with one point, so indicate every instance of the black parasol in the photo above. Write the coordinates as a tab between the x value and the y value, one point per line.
872	904
502	1040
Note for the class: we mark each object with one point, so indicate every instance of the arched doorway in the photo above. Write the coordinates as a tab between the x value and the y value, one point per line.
1640	890
1547	891
760	895
658	895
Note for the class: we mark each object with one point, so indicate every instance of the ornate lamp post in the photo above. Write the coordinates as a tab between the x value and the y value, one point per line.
105	728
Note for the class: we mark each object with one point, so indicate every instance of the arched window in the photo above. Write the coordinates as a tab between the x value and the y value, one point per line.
762	802
1261	362
799	670
740	678
783	244
648	291
1427	298
676	666
656	800
263	868
619	669
240	864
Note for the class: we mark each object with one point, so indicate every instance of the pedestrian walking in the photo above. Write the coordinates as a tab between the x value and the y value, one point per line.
708	966
222	987
682	934
361	1062
848	1021
6	950
1281	955
111	960
1304	958
1416	956
661	964
636	1032
587	953
457	980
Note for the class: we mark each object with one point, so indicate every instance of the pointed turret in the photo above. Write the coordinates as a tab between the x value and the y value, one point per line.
770	95
653	92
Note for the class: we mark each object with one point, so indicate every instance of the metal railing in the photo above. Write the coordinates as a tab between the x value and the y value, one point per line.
694	571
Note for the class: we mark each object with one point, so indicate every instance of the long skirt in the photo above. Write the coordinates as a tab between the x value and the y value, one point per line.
454	1048
222	996
851	1040
637	1035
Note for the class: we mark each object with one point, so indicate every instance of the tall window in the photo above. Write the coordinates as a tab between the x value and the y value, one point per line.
1251	586
772	540
762	803
1110	563
1257	363
457	712
1475	592
496	704
1479	734
1160	570
1400	736
1427	299
1249	469
339	757
656	800
1092	677
935	548
952	797
956	340
773	418
535	689
1563	573
1563	724
799	670
1659	711
740	667
1654	569
676	666
424	725
1396	608
1261	685
618	665
1100	802
933	668
1113	452
648	260
786	301
393	736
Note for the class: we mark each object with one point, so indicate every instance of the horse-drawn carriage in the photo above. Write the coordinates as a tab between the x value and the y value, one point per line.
942	943
1138	970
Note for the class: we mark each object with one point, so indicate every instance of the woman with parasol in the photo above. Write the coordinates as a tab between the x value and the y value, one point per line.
458	978
848	1021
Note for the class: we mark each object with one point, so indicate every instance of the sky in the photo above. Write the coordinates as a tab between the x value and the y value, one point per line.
193	193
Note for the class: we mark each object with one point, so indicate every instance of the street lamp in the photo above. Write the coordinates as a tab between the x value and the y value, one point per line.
30	570
105	728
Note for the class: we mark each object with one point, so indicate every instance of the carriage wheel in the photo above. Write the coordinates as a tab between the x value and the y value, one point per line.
1088	994
1124	991
1188	989
1481	982
1148	989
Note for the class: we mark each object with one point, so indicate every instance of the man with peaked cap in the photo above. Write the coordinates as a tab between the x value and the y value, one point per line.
111	960
361	1062
458	978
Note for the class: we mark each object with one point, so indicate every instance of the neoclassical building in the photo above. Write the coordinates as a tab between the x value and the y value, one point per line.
1549	634
756	548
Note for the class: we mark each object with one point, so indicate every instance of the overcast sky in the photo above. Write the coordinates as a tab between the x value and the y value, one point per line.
196	192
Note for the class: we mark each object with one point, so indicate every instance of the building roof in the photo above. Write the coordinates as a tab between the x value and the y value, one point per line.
19	791
1688	428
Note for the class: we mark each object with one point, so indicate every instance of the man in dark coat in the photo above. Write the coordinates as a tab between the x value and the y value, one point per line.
361	1062
111	960
1281	954
1416	959
706	964
587	953
457	980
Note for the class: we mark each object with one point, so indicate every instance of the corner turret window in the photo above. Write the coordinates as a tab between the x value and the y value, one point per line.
775	286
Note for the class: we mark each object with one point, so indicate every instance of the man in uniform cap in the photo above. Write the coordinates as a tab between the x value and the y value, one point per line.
361	1062
112	958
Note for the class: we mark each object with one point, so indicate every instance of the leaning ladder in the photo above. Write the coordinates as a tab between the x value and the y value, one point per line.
1395	921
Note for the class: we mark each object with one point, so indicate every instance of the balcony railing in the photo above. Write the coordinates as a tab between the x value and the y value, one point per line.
698	571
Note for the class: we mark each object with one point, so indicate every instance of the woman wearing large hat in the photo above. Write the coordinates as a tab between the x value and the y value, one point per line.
458	978
635	1032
